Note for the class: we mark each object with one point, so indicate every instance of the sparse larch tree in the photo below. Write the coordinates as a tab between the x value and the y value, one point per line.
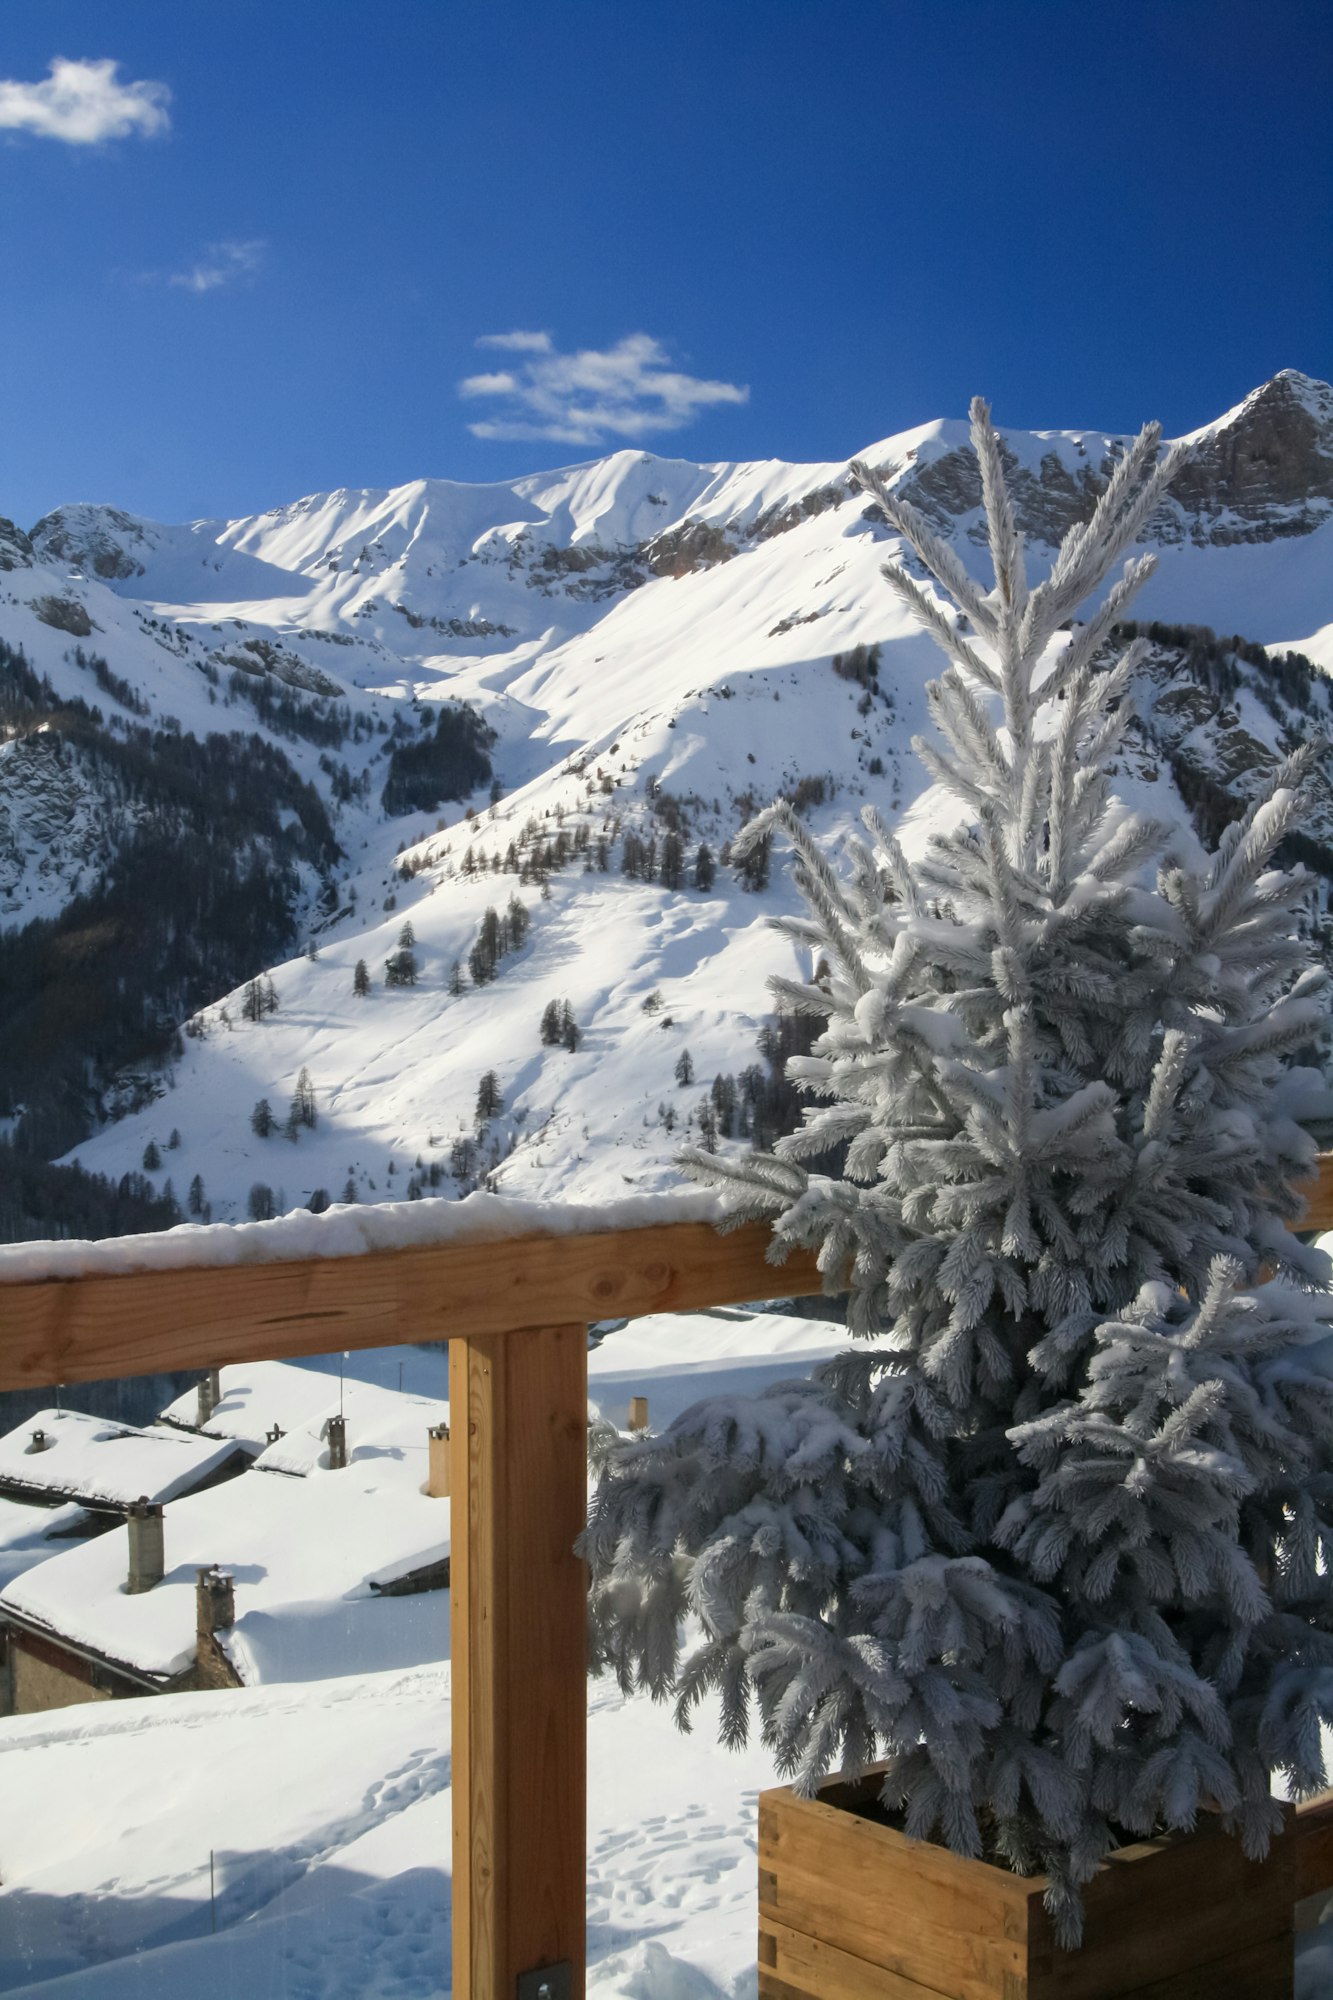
484	958
303	1109
673	861
261	1206
705	868
550	1025
489	1099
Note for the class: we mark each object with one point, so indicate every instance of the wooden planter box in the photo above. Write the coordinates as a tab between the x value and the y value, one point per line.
849	1909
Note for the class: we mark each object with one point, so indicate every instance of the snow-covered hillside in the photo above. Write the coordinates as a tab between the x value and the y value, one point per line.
657	647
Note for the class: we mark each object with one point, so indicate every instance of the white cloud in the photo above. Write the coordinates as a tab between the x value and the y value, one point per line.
503	384
518	342
626	391
221	264
84	103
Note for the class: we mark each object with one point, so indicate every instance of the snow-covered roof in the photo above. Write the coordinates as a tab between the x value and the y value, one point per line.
29	1533
256	1395
675	1359
378	1421
303	1553
103	1463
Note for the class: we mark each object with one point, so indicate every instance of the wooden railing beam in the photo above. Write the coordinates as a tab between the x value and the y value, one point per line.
84	1329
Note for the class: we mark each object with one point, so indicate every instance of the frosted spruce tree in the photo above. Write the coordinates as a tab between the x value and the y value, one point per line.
1056	1544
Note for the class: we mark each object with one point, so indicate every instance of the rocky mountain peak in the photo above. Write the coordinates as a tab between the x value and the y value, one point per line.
1266	468
15	548
94	539
1262	471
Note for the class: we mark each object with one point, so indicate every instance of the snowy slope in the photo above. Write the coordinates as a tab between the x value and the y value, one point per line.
652	643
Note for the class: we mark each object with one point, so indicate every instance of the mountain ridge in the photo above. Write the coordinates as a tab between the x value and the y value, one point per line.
650	649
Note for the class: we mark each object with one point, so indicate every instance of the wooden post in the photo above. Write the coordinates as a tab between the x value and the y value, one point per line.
518	1407
438	1456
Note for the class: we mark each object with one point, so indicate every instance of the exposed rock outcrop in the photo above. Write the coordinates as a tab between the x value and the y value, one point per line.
1266	470
95	539
1262	471
15	547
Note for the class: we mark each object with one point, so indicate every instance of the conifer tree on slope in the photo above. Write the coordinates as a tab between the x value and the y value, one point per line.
1057	1545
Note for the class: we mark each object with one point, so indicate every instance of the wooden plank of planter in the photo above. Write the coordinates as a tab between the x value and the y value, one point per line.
848	1905
1168	1915
83	1329
518	1441
793	1966
1258	1972
1314	1859
1319	1192
903	1906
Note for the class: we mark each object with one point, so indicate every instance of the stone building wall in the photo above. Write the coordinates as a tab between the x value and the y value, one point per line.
41	1677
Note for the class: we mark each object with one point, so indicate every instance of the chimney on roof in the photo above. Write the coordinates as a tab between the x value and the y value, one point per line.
337	1436
40	1442
437	1477
147	1549
271	1437
215	1603
638	1413
210	1395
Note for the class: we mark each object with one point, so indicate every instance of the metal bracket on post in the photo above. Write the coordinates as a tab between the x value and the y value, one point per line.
547	1982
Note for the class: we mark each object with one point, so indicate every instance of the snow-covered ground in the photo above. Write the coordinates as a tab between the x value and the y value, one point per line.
326	1811
323	1804
291	1841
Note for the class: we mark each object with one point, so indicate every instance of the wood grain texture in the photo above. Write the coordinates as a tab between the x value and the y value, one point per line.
1161	1914
848	1905
790	1963
910	1909
1319	1192
84	1329
518	1636
1314	1847
1263	1971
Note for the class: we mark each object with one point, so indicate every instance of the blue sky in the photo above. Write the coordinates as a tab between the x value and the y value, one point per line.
253	254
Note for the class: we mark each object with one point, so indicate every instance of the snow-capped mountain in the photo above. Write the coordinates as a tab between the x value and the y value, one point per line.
556	689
